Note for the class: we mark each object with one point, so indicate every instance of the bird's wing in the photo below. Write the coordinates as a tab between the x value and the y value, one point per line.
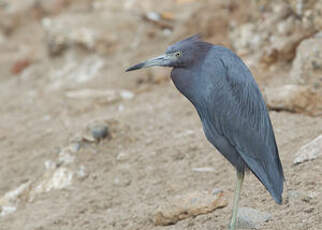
242	118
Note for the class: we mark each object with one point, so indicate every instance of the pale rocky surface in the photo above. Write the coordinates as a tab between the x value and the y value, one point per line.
299	196
188	205
307	65
249	218
58	60
309	151
294	98
275	35
304	94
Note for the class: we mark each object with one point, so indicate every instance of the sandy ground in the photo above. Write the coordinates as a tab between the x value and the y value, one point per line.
160	140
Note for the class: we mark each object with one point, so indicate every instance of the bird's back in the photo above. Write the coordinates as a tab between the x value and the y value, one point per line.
234	116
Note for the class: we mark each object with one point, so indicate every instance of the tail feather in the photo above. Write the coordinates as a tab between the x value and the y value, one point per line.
270	175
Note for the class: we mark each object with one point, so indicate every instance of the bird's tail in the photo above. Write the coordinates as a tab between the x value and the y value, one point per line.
270	175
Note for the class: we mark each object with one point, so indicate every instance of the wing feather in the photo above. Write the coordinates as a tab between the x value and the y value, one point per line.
242	118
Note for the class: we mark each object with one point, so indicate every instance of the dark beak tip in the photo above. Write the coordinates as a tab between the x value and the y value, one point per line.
135	67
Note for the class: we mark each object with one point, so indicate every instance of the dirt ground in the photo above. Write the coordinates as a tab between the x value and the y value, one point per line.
157	138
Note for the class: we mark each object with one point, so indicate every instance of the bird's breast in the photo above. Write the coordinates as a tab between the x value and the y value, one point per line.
189	84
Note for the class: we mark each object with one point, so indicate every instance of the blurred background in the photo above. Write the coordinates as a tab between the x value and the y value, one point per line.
84	145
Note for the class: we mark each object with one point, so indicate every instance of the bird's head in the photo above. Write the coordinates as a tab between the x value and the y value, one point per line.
181	54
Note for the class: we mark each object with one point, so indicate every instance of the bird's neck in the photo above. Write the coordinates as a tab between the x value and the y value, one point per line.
186	81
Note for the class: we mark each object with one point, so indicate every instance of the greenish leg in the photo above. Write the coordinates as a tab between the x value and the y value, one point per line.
239	183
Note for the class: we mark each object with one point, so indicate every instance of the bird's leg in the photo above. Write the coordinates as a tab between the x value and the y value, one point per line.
239	182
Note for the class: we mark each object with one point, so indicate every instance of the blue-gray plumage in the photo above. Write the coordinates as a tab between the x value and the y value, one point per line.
231	108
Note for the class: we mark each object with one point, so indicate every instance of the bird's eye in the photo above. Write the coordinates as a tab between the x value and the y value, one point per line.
178	54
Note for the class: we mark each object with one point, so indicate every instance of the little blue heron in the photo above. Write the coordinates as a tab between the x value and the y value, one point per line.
233	113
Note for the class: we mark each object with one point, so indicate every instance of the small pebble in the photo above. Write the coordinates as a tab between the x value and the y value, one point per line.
75	147
5	210
204	169
49	164
127	95
216	191
81	172
122	156
99	131
153	16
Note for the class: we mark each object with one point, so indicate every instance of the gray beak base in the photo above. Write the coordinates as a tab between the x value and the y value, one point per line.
163	60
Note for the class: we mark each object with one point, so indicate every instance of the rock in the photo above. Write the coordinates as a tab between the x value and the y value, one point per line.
283	48
153	16
68	71
65	157
294	98
126	94
80	31
12	196
81	173
216	191
64	33
10	200
160	20
281	11
5	210
249	218
75	147
107	96
184	134
122	156
120	107
307	66
204	169
19	66
188	205
310	151
99	131
57	178
248	38
293	195
54	179
286	27
58	175
49	164
299	6
274	35
317	16
96	130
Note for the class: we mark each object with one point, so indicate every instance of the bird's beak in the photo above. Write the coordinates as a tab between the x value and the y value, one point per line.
163	60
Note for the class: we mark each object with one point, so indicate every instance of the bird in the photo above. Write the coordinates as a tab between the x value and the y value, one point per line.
231	108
